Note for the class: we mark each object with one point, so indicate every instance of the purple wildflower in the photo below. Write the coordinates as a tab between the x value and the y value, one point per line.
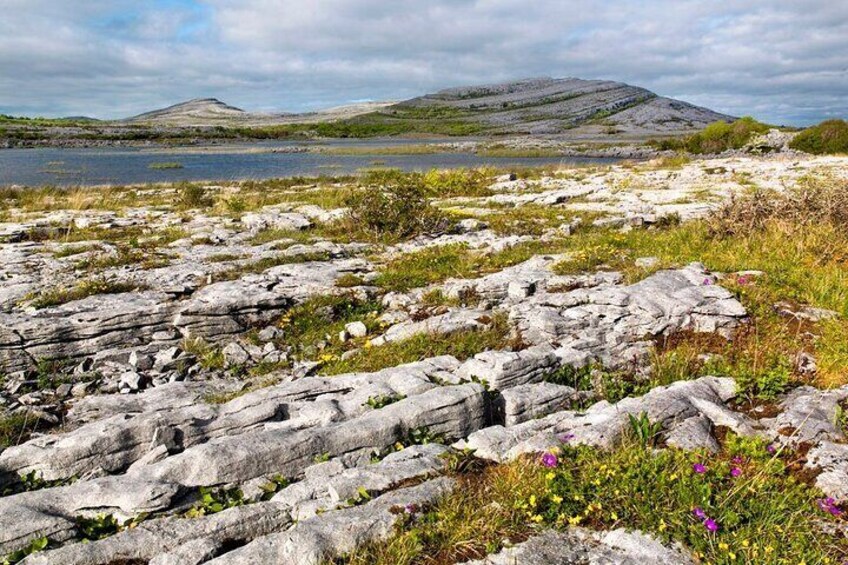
549	460
699	468
743	280
771	448
699	514
738	460
708	281
711	525
829	505
410	509
735	472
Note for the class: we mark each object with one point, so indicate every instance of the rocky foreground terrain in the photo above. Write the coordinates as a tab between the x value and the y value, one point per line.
264	373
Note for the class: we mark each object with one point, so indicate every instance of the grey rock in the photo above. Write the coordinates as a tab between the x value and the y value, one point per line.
117	431
329	485
501	370
578	545
452	412
51	513
692	434
131	382
356	330
646	262
832	460
336	533
444	324
808	415
235	355
529	401
603	424
269	333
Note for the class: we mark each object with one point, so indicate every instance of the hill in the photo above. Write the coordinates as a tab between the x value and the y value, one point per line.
199	110
549	106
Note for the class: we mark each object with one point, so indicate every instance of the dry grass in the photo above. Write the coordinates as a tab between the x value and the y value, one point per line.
815	200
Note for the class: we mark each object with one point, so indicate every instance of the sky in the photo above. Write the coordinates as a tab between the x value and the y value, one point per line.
782	61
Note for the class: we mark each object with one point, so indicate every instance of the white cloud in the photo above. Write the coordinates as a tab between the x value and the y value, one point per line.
782	60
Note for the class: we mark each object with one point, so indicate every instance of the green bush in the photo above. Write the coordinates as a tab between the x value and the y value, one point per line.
828	137
190	195
717	137
721	136
393	206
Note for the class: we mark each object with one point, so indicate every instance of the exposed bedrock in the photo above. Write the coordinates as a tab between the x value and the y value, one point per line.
121	321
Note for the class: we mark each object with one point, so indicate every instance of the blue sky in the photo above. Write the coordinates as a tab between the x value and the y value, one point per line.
780	60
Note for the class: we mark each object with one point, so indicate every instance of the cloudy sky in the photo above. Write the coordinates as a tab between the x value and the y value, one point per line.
785	61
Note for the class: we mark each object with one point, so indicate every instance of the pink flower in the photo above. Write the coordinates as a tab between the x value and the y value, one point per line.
738	460
699	468
743	280
771	448
549	460
710	525
708	281
829	505
699	514
735	472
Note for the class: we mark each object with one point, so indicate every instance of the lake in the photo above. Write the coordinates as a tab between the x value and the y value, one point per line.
118	166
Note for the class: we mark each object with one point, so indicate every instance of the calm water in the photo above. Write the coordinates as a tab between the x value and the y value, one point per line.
73	167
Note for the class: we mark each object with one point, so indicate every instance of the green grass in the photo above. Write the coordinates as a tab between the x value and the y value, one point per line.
802	265
462	345
262	265
83	289
16	428
437	264
530	219
458	182
502	151
417	149
165	166
430	265
319	320
144	258
765	515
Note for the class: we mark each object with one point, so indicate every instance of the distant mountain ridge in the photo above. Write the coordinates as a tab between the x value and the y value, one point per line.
531	106
547	105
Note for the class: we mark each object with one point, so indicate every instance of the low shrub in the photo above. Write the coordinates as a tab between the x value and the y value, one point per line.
717	137
828	137
393	206
191	195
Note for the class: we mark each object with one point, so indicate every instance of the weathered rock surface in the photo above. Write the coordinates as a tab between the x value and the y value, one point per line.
332	534
579	545
603	424
120	321
150	414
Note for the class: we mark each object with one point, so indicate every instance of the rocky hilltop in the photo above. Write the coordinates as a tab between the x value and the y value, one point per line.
200	110
546	105
294	373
